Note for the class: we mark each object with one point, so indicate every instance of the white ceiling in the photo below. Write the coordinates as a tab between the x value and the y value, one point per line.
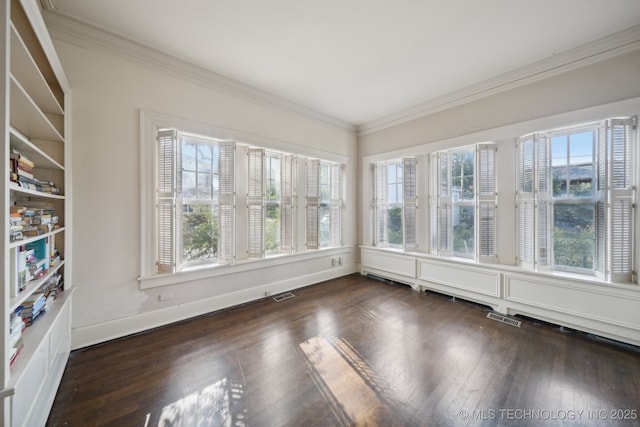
358	60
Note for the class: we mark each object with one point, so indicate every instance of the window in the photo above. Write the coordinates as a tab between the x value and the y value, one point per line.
270	203
195	192
576	200
463	202
395	203
323	204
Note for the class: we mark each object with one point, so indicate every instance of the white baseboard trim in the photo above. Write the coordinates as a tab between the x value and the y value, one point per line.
100	332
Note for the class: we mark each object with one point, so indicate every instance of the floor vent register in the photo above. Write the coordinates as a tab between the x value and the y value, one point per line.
283	297
504	319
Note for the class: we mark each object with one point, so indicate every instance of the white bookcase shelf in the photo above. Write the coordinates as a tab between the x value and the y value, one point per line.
34	122
25	69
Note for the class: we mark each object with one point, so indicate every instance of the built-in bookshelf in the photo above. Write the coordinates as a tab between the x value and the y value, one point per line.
36	308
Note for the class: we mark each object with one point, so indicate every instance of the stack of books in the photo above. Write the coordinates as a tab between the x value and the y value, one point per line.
16	327
20	166
30	221
53	287
21	172
33	307
16	226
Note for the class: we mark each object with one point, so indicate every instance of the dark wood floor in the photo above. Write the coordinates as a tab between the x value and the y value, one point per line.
351	351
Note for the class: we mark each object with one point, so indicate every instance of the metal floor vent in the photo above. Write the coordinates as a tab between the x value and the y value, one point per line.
283	297
504	319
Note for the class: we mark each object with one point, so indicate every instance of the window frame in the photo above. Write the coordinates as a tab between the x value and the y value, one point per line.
535	235
484	202
258	201
406	199
149	277
170	201
314	202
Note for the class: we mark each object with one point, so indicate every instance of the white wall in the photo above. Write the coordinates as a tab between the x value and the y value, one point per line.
107	96
502	117
605	89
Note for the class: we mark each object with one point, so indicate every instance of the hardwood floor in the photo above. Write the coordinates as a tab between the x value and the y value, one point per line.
351	351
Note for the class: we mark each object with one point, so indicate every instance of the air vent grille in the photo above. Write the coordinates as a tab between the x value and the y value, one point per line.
283	297
504	319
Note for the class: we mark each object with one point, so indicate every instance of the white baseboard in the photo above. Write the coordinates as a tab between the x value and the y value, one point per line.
97	333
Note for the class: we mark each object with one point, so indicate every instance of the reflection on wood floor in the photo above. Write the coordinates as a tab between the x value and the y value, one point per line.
351	351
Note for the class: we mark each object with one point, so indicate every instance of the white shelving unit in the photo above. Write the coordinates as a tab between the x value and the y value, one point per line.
35	122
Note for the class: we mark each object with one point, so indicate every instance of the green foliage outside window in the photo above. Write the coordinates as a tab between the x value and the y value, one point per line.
573	235
272	229
199	233
463	232
394	226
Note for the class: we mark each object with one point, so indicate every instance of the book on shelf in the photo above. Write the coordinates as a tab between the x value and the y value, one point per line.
20	274
21	171
15	155
33	307
31	221
15	351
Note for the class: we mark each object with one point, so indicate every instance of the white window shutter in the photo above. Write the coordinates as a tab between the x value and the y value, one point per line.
600	231
544	212
255	202
526	201
445	212
287	196
409	203
381	205
312	201
169	203
486	197
433	202
335	205
622	198
226	195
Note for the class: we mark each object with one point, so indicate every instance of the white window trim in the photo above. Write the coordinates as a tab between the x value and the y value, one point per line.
485	196
506	245
408	203
313	203
539	223
150	122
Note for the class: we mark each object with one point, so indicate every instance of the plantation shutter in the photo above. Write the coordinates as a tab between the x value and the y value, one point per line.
621	197
335	205
287	196
169	200
255	203
526	201
381	205
226	198
600	232
445	214
544	220
433	202
486	198
409	203
312	201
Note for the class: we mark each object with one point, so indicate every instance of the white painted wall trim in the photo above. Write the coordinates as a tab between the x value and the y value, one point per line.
71	30
616	44
79	33
157	280
97	333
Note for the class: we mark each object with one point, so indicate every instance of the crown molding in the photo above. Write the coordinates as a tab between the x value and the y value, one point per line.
80	33
616	44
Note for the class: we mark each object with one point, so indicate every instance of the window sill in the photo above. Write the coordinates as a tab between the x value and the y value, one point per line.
209	271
